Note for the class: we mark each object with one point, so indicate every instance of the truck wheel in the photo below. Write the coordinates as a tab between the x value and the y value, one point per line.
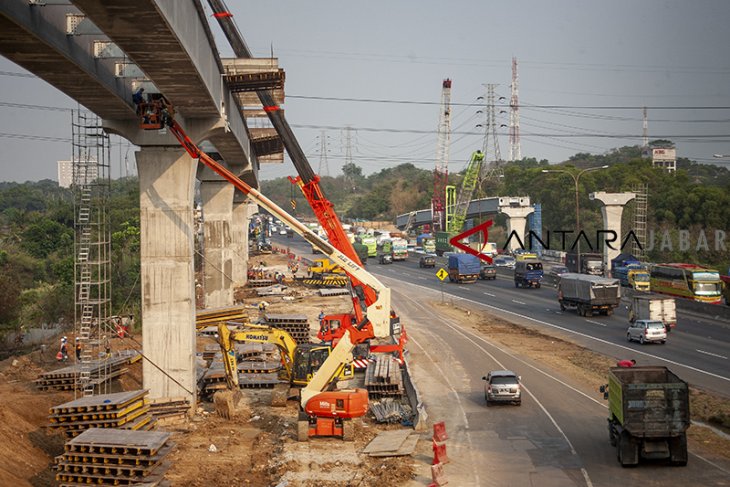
678	450
537	285
562	306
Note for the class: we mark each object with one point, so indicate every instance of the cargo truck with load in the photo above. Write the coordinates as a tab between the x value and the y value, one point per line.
648	414
633	276
464	268
400	249
585	263
442	243
654	307
589	294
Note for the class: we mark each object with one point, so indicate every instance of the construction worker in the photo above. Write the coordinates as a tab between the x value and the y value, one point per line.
262	309
62	355
107	347
138	99
78	349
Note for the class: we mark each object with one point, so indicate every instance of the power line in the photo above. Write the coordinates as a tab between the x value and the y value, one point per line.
507	105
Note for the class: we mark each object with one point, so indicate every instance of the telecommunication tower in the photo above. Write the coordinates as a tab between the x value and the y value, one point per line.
441	172
645	152
515	152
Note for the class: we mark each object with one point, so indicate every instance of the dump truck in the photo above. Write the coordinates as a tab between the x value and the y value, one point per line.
654	307
648	414
464	268
588	294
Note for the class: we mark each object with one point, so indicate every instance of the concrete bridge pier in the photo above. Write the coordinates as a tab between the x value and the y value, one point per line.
167	184
612	209
217	199
517	209
243	208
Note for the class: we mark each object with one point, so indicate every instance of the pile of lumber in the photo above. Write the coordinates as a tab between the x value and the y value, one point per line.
127	410
213	316
101	371
296	325
383	377
115	457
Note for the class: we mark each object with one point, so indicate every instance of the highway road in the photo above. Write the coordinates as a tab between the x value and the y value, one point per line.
698	349
558	437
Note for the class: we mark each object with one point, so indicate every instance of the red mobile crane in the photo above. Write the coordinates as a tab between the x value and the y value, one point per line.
308	183
322	412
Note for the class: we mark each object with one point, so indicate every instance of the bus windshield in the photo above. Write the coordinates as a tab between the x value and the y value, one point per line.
707	288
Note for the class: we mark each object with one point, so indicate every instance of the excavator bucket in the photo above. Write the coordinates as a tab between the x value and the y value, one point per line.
225	403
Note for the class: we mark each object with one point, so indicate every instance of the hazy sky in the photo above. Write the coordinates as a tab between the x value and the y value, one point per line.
374	56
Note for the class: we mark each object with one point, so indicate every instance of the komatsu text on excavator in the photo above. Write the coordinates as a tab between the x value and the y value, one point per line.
323	412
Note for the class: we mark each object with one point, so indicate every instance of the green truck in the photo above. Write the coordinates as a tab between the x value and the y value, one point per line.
442	242
648	414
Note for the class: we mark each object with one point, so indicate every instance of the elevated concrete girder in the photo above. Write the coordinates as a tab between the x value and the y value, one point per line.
34	38
167	182
612	210
170	41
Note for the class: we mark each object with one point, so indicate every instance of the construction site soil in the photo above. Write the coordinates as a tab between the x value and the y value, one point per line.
258	447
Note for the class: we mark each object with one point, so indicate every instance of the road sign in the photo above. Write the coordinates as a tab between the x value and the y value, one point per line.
442	274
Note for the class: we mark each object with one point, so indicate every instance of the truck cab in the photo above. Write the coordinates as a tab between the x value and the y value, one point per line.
528	273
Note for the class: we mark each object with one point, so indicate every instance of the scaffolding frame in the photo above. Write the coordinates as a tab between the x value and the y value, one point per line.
91	185
640	218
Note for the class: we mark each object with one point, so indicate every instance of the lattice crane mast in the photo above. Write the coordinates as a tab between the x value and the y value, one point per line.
471	178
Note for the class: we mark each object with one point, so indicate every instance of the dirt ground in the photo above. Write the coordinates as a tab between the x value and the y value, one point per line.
258	447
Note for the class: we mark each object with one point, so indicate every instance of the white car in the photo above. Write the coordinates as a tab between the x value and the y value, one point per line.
282	231
504	261
645	331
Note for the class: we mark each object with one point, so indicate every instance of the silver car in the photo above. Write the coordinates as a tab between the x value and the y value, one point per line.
502	386
647	331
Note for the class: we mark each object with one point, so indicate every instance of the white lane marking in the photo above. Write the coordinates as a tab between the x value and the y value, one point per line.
423	278
458	330
596	323
490	294
584	335
458	401
518	302
602	404
712	354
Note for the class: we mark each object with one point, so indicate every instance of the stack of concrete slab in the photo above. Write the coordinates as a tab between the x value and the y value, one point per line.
102	370
213	316
261	282
115	457
296	325
127	410
383	377
169	407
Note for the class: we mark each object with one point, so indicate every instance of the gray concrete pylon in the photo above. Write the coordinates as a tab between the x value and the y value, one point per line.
516	223
166	187
217	199
243	208
612	210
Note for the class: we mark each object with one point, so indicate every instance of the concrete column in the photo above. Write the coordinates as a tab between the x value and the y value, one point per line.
242	211
612	209
217	198
166	183
516	223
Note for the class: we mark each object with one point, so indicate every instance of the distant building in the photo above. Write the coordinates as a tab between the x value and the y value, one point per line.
66	173
664	158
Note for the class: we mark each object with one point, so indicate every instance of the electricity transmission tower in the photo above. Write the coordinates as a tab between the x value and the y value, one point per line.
492	167
324	168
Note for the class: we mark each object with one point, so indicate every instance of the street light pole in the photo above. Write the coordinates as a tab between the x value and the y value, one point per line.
576	179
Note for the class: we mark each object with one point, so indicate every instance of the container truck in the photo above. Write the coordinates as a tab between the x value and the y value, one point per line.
442	243
648	414
654	307
464	268
588	294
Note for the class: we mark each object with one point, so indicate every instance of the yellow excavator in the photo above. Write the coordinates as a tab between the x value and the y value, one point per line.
299	361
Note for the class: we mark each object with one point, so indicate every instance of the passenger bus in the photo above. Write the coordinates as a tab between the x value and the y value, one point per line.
687	281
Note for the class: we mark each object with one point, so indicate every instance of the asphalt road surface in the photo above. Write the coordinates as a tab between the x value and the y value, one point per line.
558	437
